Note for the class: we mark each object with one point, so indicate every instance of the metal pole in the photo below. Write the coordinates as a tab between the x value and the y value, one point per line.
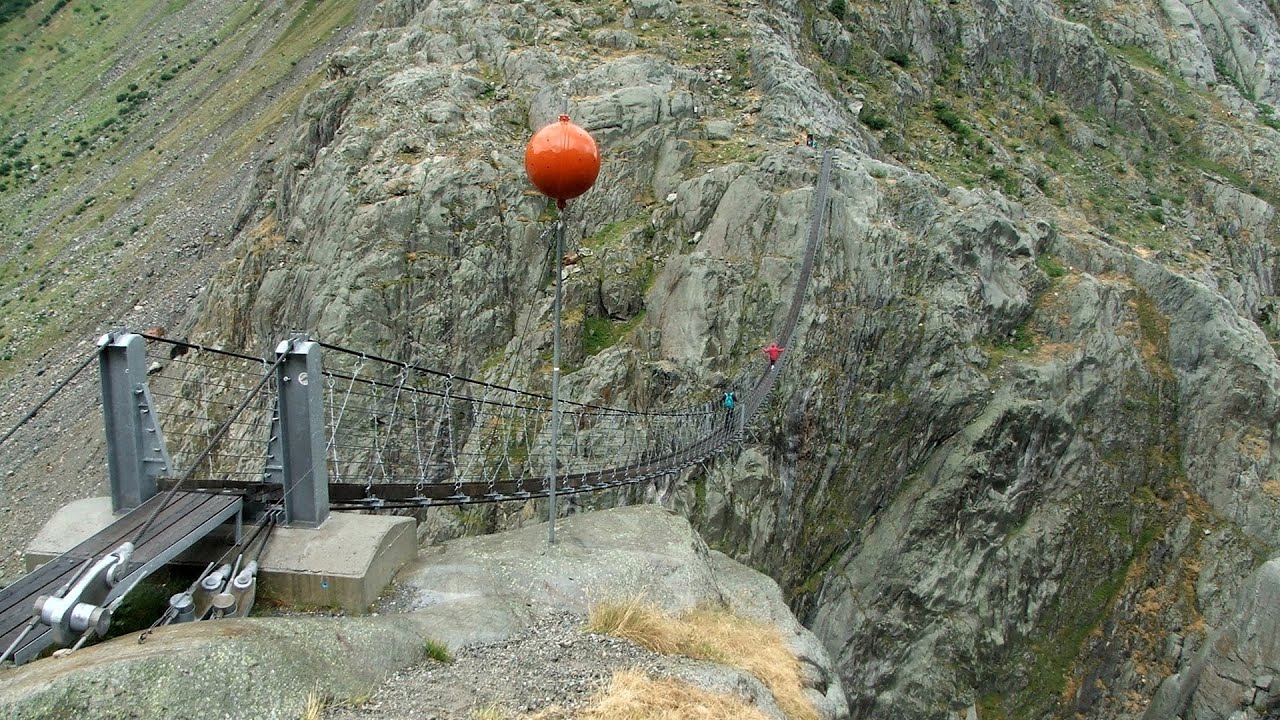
300	430
555	382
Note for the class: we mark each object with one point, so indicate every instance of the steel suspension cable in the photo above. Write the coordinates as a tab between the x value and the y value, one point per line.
45	400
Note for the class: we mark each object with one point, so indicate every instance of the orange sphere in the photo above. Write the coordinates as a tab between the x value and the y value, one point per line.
562	160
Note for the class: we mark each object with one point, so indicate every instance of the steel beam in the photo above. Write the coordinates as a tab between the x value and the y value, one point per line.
136	452
300	434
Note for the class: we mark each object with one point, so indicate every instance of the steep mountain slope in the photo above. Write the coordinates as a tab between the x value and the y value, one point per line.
1022	459
126	136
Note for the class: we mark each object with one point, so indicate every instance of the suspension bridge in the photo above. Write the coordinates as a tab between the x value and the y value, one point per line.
201	437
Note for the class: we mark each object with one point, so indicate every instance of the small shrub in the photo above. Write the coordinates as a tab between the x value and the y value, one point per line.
899	58
436	650
951	120
837	8
872	120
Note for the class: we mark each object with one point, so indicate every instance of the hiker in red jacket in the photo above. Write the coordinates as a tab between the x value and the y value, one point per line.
773	351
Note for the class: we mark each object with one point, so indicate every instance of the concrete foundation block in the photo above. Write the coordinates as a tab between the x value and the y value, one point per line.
345	563
71	525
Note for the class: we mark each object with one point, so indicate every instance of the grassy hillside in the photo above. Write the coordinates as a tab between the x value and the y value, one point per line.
115	116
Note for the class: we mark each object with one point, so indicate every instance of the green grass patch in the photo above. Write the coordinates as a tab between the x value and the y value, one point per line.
1019	340
951	120
436	650
991	706
613	234
1267	115
1139	58
872	119
600	333
1050	266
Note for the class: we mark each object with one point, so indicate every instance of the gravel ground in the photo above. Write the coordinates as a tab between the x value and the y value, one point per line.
553	664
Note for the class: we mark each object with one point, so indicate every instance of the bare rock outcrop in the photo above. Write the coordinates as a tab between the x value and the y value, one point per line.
1021	460
478	596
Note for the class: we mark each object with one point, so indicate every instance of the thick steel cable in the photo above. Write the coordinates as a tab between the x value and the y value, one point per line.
45	400
201	348
481	383
686	412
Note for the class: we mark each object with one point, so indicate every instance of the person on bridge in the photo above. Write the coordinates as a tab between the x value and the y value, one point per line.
773	352
729	403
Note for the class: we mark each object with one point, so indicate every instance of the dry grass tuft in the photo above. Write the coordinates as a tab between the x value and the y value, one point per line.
317	702
632	695
488	712
638	622
757	648
712	634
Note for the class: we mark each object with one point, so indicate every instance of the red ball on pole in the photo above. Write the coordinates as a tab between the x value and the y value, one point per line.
562	160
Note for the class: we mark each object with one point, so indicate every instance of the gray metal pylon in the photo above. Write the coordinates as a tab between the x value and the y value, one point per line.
301	433
136	452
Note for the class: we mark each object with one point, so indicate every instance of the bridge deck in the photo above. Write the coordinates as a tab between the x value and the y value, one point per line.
188	517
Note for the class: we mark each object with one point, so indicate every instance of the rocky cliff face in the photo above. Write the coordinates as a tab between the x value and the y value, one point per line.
1021	462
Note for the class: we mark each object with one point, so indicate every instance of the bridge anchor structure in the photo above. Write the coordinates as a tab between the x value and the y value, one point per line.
201	440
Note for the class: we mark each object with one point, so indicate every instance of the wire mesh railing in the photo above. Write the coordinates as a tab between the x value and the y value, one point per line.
395	424
196	391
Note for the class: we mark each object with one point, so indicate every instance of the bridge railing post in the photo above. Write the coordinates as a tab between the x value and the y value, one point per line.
136	452
299	429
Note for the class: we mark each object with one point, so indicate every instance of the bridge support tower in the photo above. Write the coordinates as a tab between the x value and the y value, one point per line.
136	452
297	435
